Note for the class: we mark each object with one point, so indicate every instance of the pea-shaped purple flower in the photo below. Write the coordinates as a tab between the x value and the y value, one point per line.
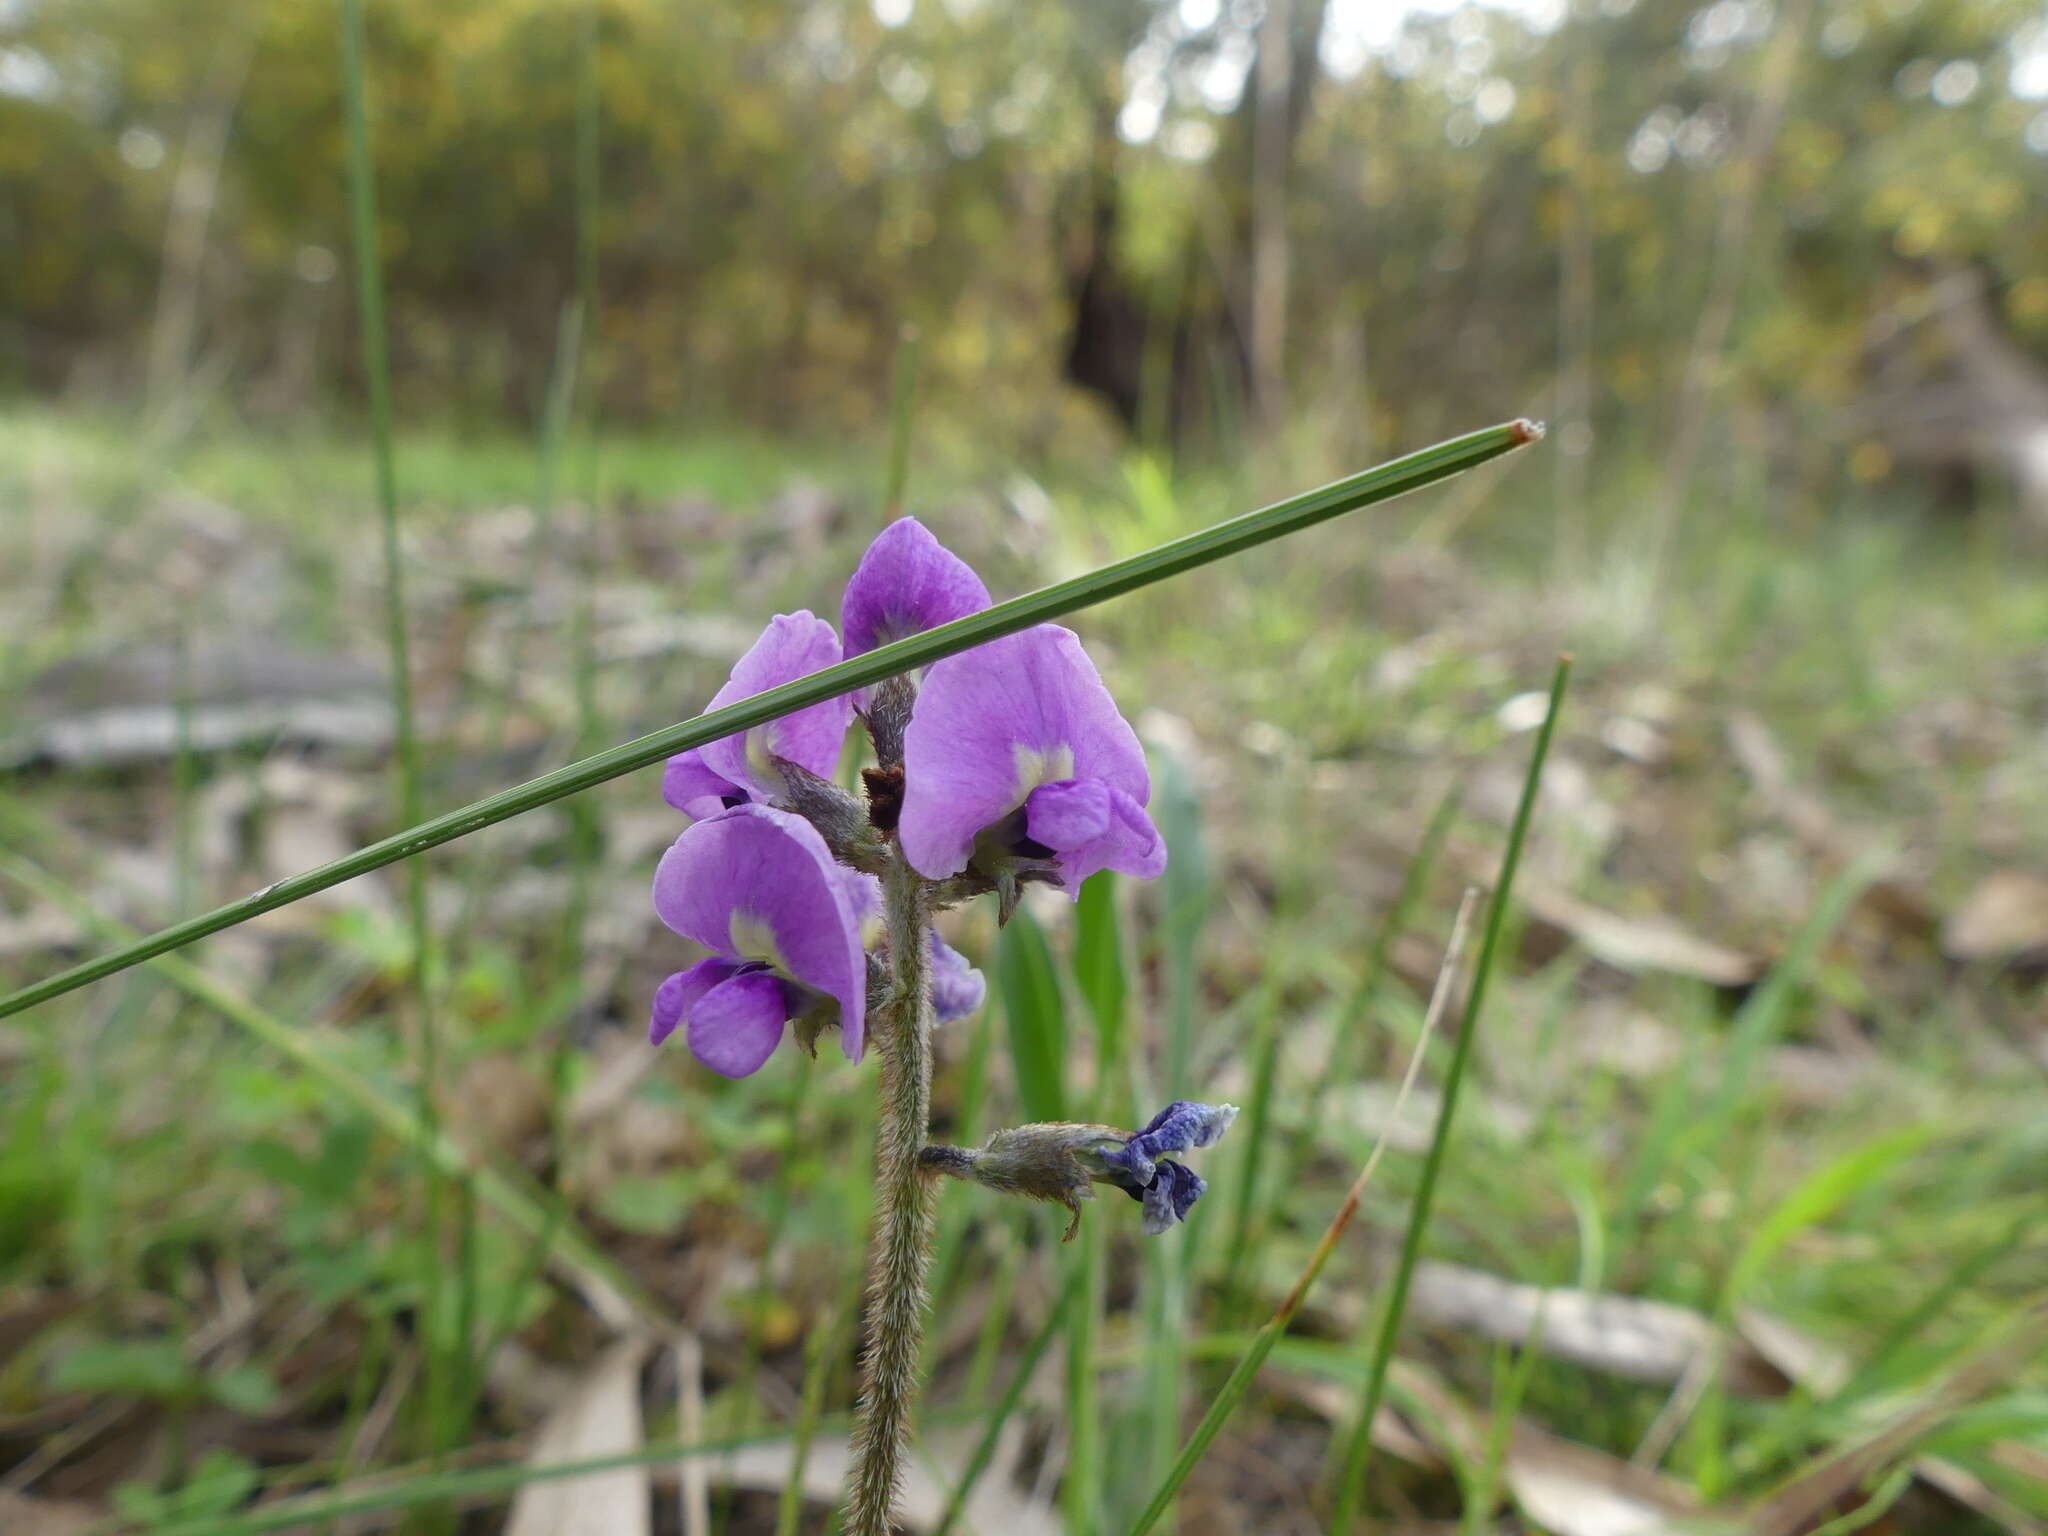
739	770
1016	752
757	888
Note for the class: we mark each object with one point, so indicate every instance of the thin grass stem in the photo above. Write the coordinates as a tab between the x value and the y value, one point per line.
1351	1482
1013	1394
1383	483
440	1374
1262	1342
902	397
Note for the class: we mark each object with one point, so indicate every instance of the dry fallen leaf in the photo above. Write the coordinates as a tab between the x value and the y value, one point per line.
21	1515
1630	1336
1892	895
1564	1486
601	1417
1638	943
996	1508
2005	918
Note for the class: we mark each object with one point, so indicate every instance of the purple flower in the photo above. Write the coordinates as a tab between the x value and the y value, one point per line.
906	583
738	769
1140	1167
757	888
1016	751
957	987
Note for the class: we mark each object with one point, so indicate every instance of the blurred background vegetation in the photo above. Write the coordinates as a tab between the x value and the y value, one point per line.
1825	214
1743	1223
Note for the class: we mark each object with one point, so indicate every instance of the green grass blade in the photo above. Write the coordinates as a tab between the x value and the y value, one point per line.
434	1488
821	1354
1809	1201
902	397
1098	970
1813	1199
1013	1394
442	1370
1764	1014
1087	1263
1099	975
1351	1481
1252	1133
1396	478
1343	1056
1263	1342
1186	891
1034	1016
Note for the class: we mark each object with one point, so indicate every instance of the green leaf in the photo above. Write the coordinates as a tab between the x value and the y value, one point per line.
651	1205
1813	1199
1035	1015
1099	966
219	1481
247	1389
151	1368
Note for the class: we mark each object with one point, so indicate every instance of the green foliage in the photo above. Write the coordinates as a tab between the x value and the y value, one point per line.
1036	1016
784	184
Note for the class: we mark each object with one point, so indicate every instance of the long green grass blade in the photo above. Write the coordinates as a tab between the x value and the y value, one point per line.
1351	1481
1034	1016
1099	975
902	397
1013	1394
435	1488
443	1366
1396	478
1343	1056
1268	1337
1098	971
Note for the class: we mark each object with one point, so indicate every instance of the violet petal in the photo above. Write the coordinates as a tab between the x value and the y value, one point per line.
906	583
1183	1125
674	998
736	1026
957	987
1068	814
688	784
993	724
793	645
755	883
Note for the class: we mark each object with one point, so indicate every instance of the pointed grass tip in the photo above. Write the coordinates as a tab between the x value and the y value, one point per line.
1527	431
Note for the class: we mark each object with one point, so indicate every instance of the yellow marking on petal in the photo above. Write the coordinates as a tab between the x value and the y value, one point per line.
1048	767
753	939
759	753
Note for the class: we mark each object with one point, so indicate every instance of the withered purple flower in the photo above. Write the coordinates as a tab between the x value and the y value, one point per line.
1141	1168
757	888
1016	754
1058	1162
739	770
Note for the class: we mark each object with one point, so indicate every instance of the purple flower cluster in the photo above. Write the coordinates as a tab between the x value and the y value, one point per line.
1011	765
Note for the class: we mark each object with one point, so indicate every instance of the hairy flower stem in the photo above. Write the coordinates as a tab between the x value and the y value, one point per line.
906	1204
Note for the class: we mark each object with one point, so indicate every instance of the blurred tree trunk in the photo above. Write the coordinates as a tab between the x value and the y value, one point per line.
1221	315
1273	130
195	189
1699	383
